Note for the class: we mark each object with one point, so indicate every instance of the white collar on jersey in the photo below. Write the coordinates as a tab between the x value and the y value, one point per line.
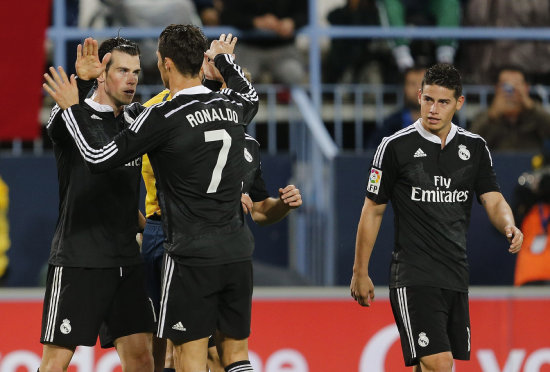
432	137
197	89
98	106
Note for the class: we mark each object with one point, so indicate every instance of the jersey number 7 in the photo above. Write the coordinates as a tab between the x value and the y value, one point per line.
218	135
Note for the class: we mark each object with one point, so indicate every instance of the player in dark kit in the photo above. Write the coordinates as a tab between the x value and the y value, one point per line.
96	277
195	144
430	171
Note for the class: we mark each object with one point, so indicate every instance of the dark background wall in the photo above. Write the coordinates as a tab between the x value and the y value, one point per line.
34	202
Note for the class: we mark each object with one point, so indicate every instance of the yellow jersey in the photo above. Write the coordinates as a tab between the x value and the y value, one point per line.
151	201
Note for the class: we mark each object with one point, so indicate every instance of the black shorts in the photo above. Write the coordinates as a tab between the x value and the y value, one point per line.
81	303
152	250
430	321
198	300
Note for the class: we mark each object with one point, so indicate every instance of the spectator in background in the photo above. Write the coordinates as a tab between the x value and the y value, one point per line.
532	210
409	113
514	121
209	11
484	57
277	55
4	229
445	13
348	58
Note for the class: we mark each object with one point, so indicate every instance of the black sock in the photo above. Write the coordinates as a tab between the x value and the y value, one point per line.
240	366
169	370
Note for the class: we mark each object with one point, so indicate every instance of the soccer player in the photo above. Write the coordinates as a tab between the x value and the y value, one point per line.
430	171
195	143
96	275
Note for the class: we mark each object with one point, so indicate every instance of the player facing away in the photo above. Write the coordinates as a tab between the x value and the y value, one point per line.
430	171
195	143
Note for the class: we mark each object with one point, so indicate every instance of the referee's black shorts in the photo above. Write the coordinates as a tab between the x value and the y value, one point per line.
81	303
431	320
198	300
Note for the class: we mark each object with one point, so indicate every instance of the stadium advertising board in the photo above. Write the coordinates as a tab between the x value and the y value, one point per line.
318	335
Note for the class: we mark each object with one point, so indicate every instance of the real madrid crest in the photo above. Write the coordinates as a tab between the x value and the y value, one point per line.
463	152
423	340
65	327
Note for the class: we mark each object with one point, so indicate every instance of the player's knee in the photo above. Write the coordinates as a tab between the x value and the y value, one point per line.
139	361
51	366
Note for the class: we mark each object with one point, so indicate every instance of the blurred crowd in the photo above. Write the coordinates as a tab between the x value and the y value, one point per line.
272	52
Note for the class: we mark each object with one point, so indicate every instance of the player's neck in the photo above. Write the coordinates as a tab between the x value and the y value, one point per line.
104	99
443	133
179	82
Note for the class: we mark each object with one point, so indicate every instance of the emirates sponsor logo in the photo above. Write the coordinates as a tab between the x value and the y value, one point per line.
441	194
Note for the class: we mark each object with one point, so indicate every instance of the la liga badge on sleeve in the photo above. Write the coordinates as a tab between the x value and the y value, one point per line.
375	177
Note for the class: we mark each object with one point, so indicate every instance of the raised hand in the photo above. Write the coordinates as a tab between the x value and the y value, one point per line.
62	89
224	45
88	66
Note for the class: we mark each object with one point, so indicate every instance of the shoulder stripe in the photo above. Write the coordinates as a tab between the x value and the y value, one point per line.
380	150
89	154
204	103
466	133
250	138
136	125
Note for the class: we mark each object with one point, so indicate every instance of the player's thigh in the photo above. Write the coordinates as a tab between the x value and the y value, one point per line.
75	305
421	317
189	302
130	311
55	357
440	362
235	302
191	355
135	349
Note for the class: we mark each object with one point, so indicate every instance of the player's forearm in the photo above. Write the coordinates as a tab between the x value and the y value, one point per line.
236	81
269	211
499	212
84	87
367	231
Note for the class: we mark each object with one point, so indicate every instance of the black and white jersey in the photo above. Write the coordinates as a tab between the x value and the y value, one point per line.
195	144
98	213
431	190
253	182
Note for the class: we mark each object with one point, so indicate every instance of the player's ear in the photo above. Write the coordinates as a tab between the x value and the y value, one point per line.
101	78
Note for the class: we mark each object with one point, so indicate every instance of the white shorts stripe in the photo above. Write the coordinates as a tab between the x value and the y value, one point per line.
402	299
54	302
166	281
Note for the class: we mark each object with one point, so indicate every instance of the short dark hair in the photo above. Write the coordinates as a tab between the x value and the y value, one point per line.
120	44
185	45
444	75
